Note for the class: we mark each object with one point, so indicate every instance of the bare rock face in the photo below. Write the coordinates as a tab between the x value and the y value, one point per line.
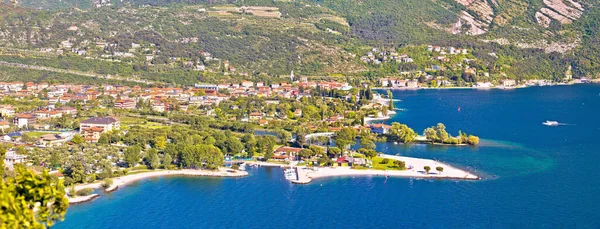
563	11
542	19
480	14
556	16
478	23
475	27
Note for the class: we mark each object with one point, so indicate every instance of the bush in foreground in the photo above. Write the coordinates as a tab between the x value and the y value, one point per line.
107	183
85	192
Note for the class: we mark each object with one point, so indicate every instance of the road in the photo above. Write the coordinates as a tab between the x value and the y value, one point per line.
93	75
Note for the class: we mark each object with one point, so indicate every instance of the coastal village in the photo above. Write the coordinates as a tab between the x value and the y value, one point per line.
37	117
299	121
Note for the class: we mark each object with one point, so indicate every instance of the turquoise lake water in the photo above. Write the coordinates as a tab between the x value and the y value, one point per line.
535	176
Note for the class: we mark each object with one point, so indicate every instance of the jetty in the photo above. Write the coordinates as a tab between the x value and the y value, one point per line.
301	175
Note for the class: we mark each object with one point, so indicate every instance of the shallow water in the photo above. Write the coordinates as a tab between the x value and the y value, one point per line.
535	176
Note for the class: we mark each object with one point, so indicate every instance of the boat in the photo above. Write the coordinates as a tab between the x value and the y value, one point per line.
290	174
550	123
243	166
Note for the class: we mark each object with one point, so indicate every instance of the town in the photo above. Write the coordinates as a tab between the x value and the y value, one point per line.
85	133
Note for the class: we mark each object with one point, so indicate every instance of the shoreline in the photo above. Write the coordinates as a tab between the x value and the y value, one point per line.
123	181
306	176
389	115
482	88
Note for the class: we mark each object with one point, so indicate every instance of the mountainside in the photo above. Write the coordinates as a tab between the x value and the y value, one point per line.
165	39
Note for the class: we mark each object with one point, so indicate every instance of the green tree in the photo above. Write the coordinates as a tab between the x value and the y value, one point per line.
167	160
103	140
160	142
427	169
367	143
345	137
301	137
266	144
439	169
249	144
431	134
2	156
234	145
473	140
171	150
77	172
400	164
306	153
403	132
442	135
335	151
370	153
77	139
152	159
391	100
317	150
106	183
20	195
132	155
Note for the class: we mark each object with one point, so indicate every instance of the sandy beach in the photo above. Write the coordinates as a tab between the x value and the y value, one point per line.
369	120
124	180
417	171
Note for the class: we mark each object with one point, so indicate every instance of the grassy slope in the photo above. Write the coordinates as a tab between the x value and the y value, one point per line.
296	42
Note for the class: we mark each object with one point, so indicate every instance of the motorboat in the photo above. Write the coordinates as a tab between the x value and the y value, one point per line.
550	123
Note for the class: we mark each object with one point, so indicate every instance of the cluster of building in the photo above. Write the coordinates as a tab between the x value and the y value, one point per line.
378	56
125	97
447	50
282	90
399	83
110	51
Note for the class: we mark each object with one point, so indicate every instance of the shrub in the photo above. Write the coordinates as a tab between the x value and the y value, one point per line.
91	178
107	183
140	167
72	192
473	140
400	164
235	166
85	192
385	161
68	181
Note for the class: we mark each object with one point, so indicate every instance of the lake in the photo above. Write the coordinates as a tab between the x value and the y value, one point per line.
535	176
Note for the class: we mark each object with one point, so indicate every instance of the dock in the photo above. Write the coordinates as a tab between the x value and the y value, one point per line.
302	176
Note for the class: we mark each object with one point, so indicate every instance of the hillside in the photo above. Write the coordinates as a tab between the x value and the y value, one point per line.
182	41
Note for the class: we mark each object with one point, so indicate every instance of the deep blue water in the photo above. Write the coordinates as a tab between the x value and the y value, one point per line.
535	176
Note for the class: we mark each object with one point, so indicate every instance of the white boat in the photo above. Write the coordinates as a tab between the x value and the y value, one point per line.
290	174
550	123
243	167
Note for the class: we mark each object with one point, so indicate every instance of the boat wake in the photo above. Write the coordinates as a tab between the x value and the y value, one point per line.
566	124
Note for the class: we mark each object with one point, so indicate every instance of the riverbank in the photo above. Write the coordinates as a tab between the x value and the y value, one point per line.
415	165
119	182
